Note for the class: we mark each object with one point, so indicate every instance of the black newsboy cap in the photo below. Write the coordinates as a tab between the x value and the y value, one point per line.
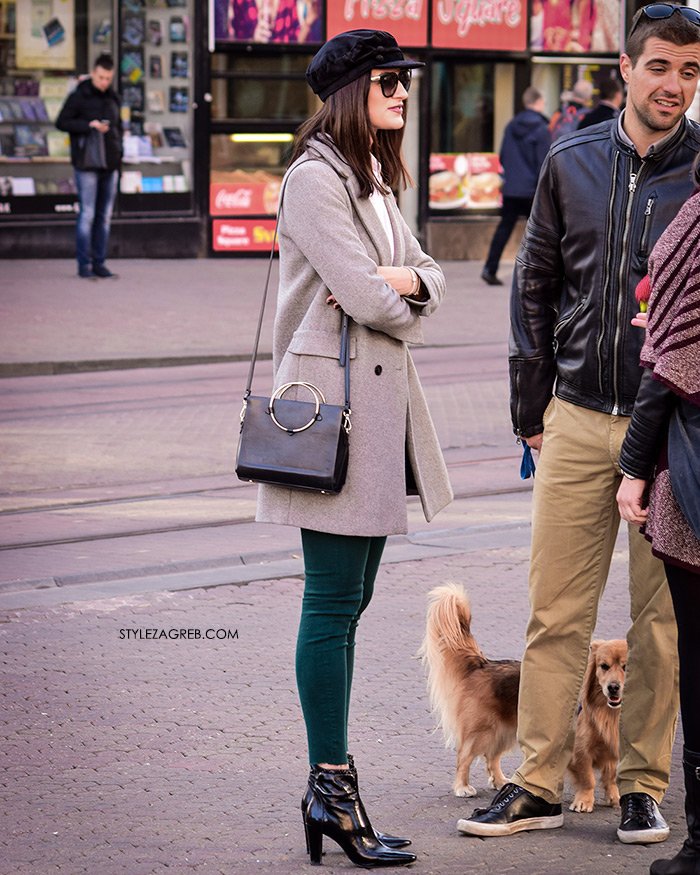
347	56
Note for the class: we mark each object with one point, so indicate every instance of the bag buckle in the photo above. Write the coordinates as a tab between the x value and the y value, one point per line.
347	425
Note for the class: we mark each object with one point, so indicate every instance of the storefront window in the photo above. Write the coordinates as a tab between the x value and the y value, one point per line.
261	87
462	108
464	170
46	46
156	72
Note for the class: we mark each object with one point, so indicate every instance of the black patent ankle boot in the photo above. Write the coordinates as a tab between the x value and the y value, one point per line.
335	810
388	840
687	860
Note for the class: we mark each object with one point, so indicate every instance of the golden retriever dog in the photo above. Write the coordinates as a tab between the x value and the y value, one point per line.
476	700
598	724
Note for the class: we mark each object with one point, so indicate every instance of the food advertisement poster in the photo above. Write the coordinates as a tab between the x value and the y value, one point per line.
406	20
46	34
464	181
243	235
499	25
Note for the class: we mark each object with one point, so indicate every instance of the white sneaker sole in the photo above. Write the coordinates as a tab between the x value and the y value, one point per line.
642	836
474	828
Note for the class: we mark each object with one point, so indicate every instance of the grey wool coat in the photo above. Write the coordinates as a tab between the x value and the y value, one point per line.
331	242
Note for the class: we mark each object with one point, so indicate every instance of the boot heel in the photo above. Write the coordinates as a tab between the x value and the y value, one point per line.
314	842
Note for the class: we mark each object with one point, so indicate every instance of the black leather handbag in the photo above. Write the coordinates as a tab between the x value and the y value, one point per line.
92	154
300	444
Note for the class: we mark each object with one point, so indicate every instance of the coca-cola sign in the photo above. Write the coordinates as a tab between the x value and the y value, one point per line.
243	199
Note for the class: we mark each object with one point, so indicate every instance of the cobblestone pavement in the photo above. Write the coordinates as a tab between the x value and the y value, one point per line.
125	753
134	755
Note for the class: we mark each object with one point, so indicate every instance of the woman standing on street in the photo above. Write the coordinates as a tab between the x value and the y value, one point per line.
345	247
664	432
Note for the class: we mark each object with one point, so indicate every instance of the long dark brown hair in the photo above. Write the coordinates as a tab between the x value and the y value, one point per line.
345	118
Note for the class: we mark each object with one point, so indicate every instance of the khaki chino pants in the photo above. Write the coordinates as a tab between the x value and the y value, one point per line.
575	524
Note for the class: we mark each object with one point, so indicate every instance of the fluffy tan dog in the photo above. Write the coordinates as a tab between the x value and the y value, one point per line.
476	700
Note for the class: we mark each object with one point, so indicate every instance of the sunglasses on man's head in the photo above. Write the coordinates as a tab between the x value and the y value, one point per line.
390	81
665	10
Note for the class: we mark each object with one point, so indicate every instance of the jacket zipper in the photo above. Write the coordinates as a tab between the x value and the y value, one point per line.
632	187
607	269
646	228
564	322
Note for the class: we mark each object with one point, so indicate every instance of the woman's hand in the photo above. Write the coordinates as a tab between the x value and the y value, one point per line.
629	501
640	320
399	278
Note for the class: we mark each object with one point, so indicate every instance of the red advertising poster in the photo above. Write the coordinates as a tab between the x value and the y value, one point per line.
578	27
243	199
406	20
464	181
265	21
243	235
480	24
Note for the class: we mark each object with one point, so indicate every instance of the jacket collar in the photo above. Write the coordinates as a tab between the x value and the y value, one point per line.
659	149
323	149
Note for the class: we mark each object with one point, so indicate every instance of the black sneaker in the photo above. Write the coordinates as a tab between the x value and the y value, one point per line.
641	822
104	272
513	809
491	279
85	273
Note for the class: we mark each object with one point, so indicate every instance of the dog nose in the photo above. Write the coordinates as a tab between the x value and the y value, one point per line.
613	689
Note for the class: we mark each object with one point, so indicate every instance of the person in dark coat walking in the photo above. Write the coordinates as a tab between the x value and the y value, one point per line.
611	96
94	104
525	144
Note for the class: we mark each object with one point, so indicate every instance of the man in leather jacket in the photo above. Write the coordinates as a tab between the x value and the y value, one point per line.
94	104
604	196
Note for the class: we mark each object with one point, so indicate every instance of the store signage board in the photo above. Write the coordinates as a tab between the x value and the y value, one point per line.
494	25
242	235
243	199
406	20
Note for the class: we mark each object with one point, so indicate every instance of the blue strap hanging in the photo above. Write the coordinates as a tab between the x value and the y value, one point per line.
527	466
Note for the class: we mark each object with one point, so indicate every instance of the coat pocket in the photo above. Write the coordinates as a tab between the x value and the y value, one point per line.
309	341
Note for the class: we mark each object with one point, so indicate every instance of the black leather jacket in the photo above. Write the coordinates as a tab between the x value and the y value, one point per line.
598	211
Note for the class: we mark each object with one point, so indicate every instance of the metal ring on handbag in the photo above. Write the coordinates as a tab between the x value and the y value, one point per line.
318	401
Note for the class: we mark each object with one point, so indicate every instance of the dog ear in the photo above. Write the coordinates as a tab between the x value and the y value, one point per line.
590	681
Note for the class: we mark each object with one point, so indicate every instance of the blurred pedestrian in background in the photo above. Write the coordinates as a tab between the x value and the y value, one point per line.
525	144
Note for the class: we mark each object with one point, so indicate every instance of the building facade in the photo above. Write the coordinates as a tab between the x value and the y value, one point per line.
213	92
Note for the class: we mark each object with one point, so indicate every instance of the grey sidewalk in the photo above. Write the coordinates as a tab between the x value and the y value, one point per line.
169	312
127	754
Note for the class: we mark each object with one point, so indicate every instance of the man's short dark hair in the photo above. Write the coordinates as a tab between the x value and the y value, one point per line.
674	29
105	61
530	96
609	88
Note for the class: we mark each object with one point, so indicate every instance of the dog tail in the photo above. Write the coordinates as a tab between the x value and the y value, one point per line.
449	650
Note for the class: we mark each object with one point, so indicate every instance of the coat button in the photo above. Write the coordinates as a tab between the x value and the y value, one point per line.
378	370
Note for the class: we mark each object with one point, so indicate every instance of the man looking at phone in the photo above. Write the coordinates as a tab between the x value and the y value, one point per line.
604	196
94	105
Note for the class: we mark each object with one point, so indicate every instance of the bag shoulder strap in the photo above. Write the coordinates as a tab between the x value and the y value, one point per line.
344	357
